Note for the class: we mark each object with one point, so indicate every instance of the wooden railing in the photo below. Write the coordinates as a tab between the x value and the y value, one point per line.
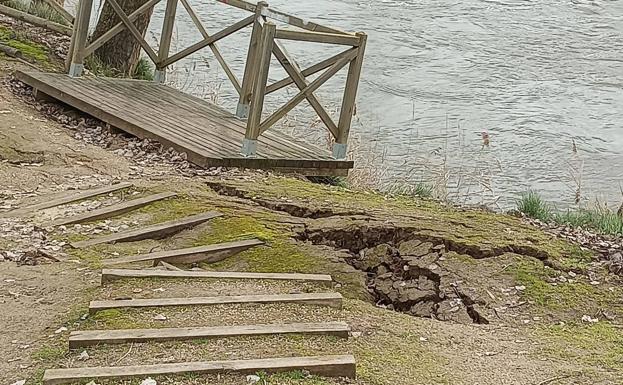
265	42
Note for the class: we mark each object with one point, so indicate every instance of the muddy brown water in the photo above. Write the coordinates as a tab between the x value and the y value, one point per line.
540	77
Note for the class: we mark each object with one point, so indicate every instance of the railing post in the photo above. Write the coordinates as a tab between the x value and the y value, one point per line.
261	66
348	103
79	37
165	40
242	111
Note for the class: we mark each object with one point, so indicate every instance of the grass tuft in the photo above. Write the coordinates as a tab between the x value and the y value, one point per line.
420	190
599	218
143	70
532	205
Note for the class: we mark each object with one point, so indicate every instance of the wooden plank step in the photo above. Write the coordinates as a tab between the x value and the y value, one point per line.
85	194
327	366
112	274
323	299
79	339
111	211
207	253
156	231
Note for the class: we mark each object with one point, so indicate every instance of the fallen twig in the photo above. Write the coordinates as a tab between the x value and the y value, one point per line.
550	380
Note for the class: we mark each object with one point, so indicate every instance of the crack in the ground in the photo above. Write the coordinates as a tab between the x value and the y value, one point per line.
409	278
361	237
292	209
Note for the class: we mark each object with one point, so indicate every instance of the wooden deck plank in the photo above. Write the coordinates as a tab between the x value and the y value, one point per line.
111	211
322	299
74	197
327	366
193	107
113	274
199	123
115	100
210	253
156	231
209	135
78	339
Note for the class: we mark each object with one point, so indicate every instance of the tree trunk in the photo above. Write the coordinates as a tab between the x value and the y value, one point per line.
123	51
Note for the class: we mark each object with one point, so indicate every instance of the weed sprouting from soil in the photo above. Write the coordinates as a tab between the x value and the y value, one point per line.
532	205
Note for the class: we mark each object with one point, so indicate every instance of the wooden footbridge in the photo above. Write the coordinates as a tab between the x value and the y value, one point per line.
209	135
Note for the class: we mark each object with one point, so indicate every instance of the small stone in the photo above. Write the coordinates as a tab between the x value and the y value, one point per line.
20	382
589	319
520	288
356	334
423	339
252	379
83	356
60	330
136	291
149	381
160	317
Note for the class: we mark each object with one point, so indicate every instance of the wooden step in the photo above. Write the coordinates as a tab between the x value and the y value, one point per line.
324	299
156	231
74	197
327	366
207	253
79	339
111	211
113	274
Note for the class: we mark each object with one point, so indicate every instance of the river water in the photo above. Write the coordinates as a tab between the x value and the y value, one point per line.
542	79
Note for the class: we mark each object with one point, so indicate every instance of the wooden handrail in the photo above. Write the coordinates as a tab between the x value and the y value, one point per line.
276	86
206	42
317	37
283	17
320	80
299	79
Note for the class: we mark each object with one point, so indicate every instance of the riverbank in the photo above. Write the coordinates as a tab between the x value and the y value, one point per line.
434	294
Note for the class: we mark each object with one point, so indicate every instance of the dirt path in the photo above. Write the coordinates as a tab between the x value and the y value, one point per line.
511	273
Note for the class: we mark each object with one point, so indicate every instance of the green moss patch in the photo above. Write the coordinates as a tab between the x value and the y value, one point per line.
30	49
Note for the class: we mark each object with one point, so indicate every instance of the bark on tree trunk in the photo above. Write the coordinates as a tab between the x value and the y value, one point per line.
123	51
